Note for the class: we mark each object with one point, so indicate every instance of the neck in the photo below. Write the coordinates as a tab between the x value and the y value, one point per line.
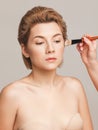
44	77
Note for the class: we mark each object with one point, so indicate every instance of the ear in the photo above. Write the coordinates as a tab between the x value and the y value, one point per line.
24	50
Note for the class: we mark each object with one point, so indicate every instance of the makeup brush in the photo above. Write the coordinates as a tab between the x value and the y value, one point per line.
76	41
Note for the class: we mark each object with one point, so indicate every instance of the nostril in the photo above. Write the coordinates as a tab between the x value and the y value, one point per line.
50	51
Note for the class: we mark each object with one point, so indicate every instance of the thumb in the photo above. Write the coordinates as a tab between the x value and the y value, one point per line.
88	42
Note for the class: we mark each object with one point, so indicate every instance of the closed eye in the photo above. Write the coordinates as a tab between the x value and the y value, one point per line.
57	41
39	43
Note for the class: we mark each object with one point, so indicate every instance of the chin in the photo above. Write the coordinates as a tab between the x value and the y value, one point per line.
52	67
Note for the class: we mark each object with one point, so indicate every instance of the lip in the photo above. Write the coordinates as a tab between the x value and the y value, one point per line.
51	59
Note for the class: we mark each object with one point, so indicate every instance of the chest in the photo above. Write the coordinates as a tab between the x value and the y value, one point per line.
52	110
48	105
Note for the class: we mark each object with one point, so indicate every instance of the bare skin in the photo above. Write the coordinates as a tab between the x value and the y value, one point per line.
88	52
44	100
52	106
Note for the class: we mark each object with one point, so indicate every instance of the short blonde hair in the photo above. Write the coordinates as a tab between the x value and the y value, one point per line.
35	16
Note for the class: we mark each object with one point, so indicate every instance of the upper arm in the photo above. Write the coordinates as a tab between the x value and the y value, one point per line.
8	108
84	109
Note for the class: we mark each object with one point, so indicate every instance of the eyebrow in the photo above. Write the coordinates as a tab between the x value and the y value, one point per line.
39	36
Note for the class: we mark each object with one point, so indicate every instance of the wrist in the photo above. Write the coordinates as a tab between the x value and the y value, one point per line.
92	64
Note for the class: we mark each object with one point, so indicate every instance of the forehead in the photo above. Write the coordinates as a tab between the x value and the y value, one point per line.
45	29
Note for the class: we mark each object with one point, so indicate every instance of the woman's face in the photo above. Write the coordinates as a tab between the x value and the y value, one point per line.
45	46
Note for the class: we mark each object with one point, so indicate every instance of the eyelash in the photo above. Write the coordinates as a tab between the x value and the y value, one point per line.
39	43
57	41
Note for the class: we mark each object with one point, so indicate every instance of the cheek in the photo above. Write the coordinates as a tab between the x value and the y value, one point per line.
35	55
60	51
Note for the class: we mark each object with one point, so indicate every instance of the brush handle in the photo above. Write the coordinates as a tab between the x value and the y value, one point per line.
93	38
75	41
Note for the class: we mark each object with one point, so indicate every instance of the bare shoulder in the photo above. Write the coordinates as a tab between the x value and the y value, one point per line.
7	91
74	85
10	92
9	99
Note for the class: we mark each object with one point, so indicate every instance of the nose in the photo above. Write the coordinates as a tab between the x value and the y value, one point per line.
50	49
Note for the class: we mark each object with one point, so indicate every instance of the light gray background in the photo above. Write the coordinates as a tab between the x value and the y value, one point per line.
81	17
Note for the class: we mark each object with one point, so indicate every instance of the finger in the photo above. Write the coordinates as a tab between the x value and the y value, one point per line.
79	48
88	42
80	44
